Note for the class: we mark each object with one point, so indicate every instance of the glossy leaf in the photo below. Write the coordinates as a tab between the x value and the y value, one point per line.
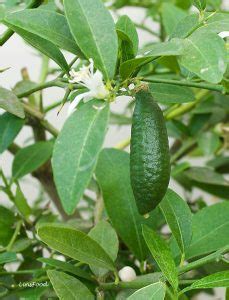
44	46
150	292
94	31
209	236
220	279
162	255
30	158
65	266
10	127
113	176
205	55
68	287
46	24
171	94
75	244
179	218
76	151
106	237
10	103
171	48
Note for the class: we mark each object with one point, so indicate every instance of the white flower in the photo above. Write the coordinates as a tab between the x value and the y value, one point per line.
131	86
92	81
127	274
224	34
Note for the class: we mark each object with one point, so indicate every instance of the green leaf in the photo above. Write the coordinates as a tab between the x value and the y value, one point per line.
208	180
205	55
96	35
23	86
128	36
44	46
75	244
171	15
210	230
10	127
68	287
113	175
150	292
208	142
30	158
186	26
220	279
10	103
171	48
171	94
21	245
76	151
126	31
46	24
179	218
219	163
200	4
104	234
67	267
7	220
21	203
216	23
162	255
227	294
7	257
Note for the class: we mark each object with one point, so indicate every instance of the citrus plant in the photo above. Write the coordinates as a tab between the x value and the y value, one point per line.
147	218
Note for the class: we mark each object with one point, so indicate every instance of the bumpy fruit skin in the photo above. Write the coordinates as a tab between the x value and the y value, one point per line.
149	153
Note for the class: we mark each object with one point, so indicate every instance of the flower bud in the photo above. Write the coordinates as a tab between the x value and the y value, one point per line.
127	274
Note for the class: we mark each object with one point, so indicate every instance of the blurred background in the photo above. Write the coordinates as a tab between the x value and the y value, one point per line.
16	55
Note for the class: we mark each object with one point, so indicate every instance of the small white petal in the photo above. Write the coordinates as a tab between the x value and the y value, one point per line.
127	274
109	3
224	34
131	87
75	102
88	97
98	107
123	90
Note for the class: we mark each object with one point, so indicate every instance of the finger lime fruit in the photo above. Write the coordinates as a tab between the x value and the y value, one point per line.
149	153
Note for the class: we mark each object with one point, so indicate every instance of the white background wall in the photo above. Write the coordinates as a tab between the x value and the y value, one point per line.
17	55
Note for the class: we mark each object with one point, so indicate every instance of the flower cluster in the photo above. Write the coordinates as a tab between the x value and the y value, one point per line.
93	81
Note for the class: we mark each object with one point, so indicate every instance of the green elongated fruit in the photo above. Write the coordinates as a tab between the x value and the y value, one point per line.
149	153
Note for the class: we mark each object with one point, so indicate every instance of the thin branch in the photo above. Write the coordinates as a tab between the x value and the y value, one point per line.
38	115
206	86
137	284
40	87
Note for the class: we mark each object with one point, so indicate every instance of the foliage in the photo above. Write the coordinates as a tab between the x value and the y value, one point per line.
102	209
